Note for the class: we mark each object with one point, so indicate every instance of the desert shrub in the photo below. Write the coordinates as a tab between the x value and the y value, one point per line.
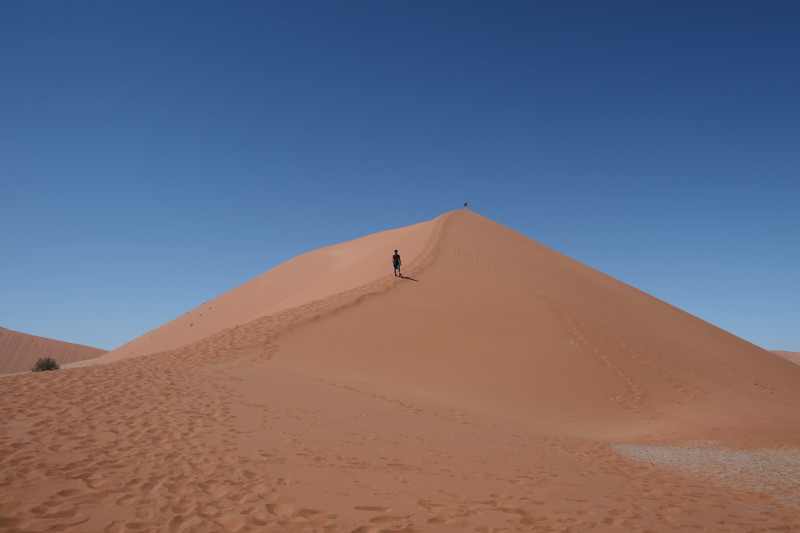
45	363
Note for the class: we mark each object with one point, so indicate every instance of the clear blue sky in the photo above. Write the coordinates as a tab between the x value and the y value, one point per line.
154	155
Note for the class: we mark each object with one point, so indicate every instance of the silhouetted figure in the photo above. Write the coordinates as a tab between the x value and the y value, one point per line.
396	262
465	205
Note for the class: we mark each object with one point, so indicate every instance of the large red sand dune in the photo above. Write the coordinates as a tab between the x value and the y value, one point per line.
500	386
19	351
503	324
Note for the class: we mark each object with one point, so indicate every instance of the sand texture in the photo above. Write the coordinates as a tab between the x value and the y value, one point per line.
500	386
19	351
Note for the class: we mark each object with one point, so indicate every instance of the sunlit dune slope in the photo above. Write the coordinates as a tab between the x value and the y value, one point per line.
305	278
503	324
19	351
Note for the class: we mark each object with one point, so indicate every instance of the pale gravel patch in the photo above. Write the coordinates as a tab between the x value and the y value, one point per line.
772	471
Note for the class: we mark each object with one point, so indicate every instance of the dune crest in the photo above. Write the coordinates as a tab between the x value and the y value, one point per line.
501	323
306	278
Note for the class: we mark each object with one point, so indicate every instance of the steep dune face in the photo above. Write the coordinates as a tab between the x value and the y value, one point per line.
19	351
503	324
305	278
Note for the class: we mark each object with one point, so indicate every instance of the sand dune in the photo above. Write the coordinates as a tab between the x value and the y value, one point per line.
306	278
499	387
503	324
794	357
19	351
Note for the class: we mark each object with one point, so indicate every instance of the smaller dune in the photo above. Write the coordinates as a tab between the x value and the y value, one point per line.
794	357
20	351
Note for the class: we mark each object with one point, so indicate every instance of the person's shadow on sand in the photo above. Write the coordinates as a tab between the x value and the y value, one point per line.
406	277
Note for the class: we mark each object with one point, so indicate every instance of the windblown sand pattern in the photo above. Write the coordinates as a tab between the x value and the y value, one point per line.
307	420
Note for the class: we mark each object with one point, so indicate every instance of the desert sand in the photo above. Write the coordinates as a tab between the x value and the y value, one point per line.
498	386
794	357
19	351
307	278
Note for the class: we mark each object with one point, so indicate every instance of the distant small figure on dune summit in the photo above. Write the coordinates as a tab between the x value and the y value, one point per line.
396	262
465	205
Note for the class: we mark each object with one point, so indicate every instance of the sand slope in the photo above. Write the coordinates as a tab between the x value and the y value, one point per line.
504	387
19	351
503	324
794	357
305	278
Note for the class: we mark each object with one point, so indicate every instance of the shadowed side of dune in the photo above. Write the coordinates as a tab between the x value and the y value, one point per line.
503	324
306	278
19	351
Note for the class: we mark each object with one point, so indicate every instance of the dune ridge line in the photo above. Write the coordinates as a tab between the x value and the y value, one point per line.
269	327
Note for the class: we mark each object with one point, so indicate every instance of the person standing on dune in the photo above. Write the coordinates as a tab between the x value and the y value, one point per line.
396	262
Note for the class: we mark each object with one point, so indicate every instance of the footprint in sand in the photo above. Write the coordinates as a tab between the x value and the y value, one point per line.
372	508
281	510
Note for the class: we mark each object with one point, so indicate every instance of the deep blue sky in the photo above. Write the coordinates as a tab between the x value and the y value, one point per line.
154	155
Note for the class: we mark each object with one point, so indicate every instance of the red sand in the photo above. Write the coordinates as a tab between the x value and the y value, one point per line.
306	278
484	394
794	357
20	351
